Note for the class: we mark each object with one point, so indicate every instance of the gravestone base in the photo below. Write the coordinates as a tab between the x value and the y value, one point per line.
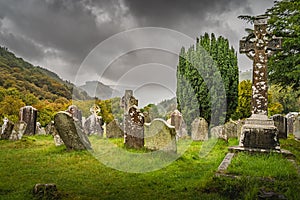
134	142
259	132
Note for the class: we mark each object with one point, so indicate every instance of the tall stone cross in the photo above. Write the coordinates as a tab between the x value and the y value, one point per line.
258	131
258	46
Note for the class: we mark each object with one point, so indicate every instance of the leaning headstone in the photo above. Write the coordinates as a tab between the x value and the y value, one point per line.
281	124
28	114
18	131
113	130
218	132
134	128
199	129
230	129
7	129
70	131
159	135
296	127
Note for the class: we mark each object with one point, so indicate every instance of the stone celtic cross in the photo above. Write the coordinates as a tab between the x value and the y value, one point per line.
258	46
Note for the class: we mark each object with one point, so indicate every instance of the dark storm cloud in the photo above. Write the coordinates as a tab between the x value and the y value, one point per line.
70	28
168	13
58	34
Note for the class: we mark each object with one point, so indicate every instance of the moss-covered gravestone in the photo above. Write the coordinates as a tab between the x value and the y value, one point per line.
159	135
199	129
7	129
70	131
134	128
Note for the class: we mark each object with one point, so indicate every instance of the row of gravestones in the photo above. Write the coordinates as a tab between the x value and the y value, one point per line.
27	125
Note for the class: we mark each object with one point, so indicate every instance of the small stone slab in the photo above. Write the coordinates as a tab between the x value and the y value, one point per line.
46	191
284	152
113	130
225	163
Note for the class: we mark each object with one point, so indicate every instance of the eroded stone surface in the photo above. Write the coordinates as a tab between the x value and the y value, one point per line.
218	132
199	129
159	135
134	128
281	124
7	129
28	114
70	131
18	131
230	129
113	130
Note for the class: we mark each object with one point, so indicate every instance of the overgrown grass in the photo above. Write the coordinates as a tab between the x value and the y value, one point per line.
79	175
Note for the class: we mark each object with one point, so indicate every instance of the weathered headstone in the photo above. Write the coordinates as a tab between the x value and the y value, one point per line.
113	130
93	124
51	130
128	100
230	129
147	117
159	135
240	124
7	129
296	127
75	112
39	129
176	120
218	132
18	131
199	129
281	124
259	131
28	114
290	122
134	128
70	131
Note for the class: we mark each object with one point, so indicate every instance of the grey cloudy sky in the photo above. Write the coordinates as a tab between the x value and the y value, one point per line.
60	34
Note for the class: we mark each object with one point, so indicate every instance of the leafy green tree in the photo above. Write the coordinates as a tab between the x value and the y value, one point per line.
10	107
284	65
198	88
244	100
287	97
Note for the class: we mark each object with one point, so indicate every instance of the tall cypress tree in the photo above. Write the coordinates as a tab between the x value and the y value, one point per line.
198	86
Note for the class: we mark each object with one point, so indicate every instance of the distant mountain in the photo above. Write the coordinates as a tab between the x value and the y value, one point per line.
247	75
44	84
100	90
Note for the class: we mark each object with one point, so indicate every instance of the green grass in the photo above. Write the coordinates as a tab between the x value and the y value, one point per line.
272	166
80	175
